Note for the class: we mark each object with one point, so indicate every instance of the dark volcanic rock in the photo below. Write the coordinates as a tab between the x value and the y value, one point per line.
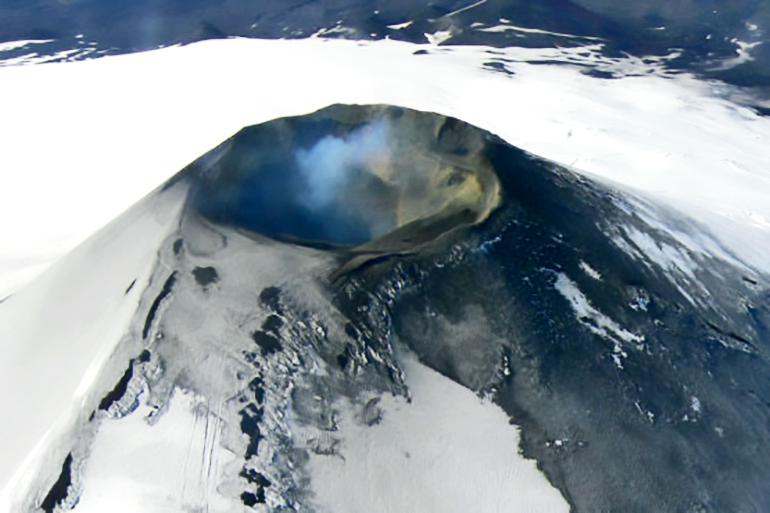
637	388
205	276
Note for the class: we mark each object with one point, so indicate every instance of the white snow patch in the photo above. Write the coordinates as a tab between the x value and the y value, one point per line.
438	37
401	26
595	320
650	416
601	324
332	31
666	256
590	271
622	244
445	451
743	56
640	302
693	238
677	265
758	219
695	404
35	58
173	464
13	45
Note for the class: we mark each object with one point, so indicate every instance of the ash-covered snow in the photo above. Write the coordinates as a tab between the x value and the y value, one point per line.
590	271
596	321
442	450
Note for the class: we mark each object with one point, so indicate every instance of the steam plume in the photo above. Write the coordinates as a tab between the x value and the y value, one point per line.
328	166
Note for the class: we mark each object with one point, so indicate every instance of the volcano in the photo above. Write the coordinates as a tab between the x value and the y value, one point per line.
373	308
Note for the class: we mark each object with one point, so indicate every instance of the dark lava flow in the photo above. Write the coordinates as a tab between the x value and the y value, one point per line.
670	415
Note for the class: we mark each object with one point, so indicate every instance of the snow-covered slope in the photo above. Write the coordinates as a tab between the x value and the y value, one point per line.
57	334
444	450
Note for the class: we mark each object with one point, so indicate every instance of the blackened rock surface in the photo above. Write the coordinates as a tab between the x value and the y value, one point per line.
168	285
58	492
638	388
120	388
267	342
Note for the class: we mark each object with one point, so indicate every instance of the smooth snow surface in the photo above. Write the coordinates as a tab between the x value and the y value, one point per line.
446	451
57	332
401	26
166	467
82	141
